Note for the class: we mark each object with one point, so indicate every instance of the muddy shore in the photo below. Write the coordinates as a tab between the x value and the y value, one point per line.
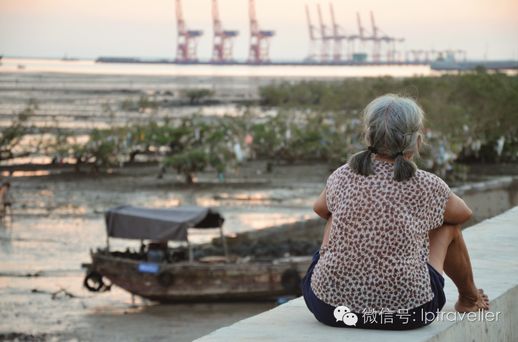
57	218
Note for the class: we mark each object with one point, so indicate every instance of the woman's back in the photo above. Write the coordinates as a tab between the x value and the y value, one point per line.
391	231
376	258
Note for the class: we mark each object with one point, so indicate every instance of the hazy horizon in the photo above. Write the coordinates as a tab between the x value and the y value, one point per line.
134	28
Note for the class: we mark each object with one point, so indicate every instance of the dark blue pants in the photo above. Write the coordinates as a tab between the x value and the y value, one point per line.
402	320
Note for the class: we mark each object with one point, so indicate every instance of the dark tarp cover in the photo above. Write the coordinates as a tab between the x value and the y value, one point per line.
131	222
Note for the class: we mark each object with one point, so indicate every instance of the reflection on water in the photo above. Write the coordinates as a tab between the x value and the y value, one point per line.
90	67
260	220
109	316
165	203
37	173
56	221
55	224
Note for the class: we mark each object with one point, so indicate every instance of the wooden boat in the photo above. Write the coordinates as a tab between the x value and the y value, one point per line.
158	273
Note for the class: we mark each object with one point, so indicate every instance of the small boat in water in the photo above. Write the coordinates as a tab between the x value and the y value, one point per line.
160	273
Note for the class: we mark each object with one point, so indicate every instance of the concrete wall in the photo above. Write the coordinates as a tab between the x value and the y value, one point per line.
493	247
489	198
486	199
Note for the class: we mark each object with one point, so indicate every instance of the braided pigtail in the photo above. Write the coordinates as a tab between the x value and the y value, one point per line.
403	168
361	162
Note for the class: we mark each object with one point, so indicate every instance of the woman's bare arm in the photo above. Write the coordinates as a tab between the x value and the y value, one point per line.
457	211
320	206
327	231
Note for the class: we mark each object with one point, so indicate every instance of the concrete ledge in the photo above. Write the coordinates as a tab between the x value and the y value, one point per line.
486	198
493	247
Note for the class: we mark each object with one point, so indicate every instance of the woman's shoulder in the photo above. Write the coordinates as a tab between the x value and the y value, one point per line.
431	180
423	174
342	169
339	174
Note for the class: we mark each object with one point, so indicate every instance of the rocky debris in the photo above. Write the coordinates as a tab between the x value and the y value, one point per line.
61	293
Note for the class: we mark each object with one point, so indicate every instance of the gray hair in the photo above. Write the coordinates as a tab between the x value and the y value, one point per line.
392	126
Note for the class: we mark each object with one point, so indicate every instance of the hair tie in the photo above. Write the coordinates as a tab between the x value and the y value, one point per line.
372	149
400	153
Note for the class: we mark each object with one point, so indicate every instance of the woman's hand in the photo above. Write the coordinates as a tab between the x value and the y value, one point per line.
320	206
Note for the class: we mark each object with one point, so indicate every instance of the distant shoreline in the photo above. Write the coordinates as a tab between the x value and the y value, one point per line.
283	70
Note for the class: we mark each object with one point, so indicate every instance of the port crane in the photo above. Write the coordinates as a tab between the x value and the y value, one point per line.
186	40
259	48
223	40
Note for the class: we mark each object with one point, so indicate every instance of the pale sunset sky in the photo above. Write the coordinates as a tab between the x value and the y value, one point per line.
147	28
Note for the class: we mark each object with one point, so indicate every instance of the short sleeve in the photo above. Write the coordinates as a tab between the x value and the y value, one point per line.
330	192
440	193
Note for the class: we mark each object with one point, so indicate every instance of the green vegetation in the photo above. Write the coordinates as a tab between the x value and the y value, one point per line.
100	150
188	162
473	115
469	117
195	96
11	137
204	143
143	103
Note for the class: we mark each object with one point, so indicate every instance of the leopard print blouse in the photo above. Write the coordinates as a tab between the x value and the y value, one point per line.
378	245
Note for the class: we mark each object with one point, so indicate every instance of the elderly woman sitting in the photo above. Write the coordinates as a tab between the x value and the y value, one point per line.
392	231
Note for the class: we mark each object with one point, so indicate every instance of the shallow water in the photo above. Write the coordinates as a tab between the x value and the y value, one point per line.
25	65
58	219
108	316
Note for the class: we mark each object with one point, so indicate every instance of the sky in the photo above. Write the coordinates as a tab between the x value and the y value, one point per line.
485	29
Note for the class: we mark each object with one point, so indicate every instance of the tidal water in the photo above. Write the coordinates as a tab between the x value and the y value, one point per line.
57	219
26	65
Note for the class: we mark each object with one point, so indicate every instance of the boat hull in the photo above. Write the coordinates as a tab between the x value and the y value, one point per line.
197	281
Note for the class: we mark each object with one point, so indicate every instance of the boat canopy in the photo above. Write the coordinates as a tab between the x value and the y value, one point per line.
129	222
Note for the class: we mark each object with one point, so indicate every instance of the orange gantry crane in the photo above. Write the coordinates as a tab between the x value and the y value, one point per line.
223	40
187	40
259	50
